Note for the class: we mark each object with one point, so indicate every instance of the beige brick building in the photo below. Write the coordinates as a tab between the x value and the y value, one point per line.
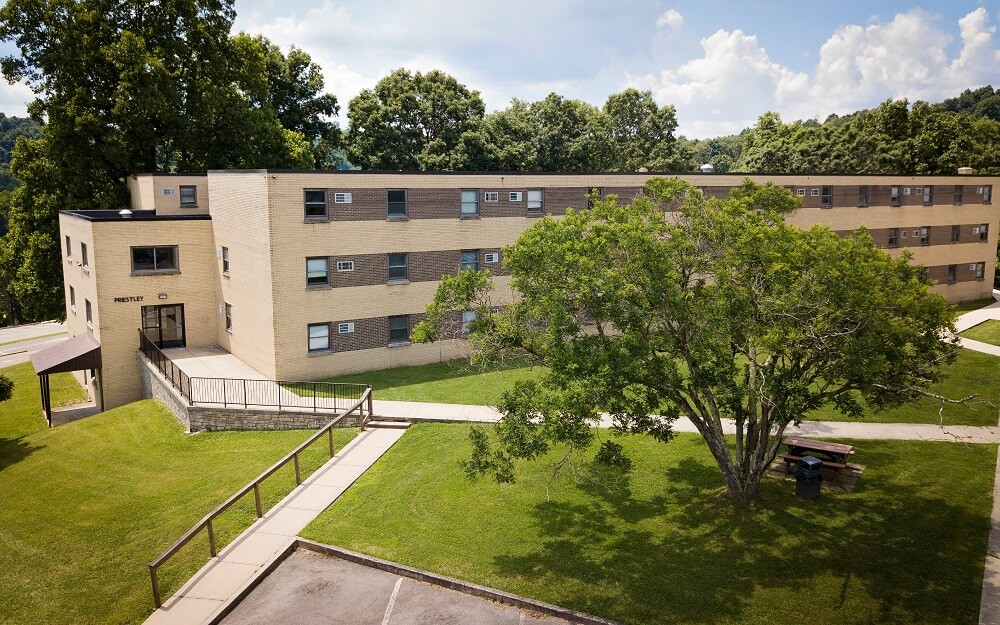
304	275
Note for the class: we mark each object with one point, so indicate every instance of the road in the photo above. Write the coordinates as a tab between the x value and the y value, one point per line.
30	339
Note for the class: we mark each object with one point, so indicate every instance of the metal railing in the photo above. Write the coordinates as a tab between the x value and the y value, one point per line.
364	409
248	393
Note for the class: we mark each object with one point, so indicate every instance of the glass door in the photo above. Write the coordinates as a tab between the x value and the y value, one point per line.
164	325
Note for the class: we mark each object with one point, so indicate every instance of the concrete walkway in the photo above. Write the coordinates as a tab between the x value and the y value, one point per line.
226	575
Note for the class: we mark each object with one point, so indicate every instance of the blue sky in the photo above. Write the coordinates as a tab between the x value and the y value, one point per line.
721	64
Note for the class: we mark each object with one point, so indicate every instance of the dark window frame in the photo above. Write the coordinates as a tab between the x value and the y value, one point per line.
89	312
957	194
156	249
394	337
397	204
312	282
952	274
312	205
465	264
928	195
72	299
225	260
309	337
925	235
536	210
984	233
956	234
464	203
228	311
895	198
402	270
826	197
987	194
69	247
893	239
84	255
193	203
862	196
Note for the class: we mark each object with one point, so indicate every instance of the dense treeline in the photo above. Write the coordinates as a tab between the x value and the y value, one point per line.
165	87
133	86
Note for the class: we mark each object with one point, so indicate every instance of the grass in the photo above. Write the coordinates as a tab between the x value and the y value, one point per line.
450	382
987	332
455	382
22	413
32	338
965	307
972	373
89	504
906	546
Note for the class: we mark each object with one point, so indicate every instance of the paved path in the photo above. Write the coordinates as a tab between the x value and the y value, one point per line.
21	351
227	574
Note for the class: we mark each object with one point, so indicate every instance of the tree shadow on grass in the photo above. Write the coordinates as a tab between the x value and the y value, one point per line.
887	553
14	450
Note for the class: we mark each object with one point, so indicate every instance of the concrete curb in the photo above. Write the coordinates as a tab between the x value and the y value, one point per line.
252	583
468	588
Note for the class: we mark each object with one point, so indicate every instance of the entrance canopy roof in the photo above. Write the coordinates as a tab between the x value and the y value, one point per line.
75	354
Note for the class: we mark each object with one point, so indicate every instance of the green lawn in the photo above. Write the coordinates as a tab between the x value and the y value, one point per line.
22	413
906	546
965	307
987	332
87	505
456	382
450	382
971	373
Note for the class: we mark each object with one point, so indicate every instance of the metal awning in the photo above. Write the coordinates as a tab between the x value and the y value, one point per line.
75	354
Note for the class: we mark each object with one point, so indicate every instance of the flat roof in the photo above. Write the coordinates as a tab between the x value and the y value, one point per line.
417	172
139	215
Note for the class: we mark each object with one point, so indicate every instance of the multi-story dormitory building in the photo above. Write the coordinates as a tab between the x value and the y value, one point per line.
304	275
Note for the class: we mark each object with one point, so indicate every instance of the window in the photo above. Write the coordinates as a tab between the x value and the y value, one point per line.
90	313
928	195
315	202
229	317
345	265
317	271
346	327
399	329
319	337
952	273
491	196
491	257
69	247
84	256
979	268
894	196
225	261
893	237
470	260
956	233
514	196
862	196
470	203
925	235
984	232
814	192
957	197
535	201
189	195
468	317
397	203
72	299
798	192
342	198
398	267
987	194
826	200
154	259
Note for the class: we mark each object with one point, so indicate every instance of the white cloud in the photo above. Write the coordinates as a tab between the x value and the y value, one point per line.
671	19
735	80
14	98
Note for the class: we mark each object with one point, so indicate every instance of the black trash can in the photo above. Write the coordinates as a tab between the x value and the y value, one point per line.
808	474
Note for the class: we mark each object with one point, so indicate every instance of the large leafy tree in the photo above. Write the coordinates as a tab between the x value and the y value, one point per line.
413	121
634	132
712	309
125	87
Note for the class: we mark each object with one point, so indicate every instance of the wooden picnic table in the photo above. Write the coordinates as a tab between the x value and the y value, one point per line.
833	455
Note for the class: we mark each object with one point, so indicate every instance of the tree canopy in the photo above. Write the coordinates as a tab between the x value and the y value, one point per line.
127	87
712	309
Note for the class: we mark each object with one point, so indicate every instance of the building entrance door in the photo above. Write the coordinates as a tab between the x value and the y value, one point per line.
164	325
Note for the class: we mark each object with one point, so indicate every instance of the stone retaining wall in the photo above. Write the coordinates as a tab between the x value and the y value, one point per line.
215	418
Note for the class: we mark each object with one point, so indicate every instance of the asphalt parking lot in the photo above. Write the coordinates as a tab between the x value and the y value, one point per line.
311	589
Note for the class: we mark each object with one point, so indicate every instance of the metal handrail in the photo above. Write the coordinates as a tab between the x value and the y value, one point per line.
292	456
